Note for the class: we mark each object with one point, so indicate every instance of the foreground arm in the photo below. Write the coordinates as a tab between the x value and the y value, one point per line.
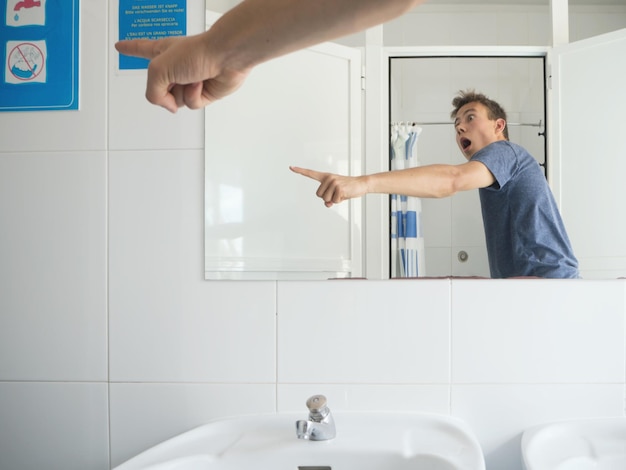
431	181
197	70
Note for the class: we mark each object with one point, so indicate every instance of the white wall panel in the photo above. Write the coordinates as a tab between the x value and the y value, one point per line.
537	331
54	426
363	332
53	268
188	329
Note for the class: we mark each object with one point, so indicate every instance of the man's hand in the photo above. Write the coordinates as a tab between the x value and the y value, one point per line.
182	71
334	188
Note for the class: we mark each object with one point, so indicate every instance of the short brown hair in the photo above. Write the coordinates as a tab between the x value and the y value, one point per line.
495	111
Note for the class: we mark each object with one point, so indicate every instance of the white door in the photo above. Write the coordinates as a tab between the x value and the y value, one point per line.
261	220
587	164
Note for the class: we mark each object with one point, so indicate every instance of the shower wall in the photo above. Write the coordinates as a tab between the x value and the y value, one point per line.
421	90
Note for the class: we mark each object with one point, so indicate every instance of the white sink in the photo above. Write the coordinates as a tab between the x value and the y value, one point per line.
365	441
598	444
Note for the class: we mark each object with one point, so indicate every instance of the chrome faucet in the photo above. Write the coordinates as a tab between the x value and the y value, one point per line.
320	426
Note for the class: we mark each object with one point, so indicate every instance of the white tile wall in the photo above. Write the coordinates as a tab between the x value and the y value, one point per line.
587	21
186	326
53	266
120	182
348	331
551	331
53	425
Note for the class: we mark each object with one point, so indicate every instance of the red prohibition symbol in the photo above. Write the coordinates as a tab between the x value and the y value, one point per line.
26	61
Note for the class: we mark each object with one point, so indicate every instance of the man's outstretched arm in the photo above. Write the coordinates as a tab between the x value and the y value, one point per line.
430	181
194	71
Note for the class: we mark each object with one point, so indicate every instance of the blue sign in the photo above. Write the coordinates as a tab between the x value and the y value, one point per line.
39	55
147	19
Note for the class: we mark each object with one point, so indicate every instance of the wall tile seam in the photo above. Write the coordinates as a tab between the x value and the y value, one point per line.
154	150
281	383
538	383
623	282
276	347
52	381
359	383
450	342
329	383
52	152
185	382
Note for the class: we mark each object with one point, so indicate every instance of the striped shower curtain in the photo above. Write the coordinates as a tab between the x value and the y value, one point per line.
407	238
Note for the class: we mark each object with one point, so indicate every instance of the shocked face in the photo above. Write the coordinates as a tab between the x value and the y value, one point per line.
474	129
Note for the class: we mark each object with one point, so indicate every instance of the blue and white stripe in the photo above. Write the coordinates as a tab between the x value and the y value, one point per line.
407	238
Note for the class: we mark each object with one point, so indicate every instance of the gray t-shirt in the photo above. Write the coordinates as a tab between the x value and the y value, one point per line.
523	227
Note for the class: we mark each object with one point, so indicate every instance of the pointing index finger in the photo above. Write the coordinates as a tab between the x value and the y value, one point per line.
143	48
316	175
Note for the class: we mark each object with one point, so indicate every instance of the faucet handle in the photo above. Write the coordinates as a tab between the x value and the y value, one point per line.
316	403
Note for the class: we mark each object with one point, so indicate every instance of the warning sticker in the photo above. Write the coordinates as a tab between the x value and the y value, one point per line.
39	55
26	62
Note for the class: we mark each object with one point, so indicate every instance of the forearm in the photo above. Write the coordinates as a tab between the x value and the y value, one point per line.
258	30
431	181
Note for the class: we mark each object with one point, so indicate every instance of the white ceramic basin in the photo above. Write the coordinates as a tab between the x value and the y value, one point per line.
598	444
365	441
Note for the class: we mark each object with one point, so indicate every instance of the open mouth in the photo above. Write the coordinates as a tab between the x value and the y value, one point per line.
465	142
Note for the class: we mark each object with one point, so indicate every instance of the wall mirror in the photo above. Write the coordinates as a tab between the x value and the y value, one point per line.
263	222
421	89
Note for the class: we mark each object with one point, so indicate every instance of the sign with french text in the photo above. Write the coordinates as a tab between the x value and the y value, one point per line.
148	19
